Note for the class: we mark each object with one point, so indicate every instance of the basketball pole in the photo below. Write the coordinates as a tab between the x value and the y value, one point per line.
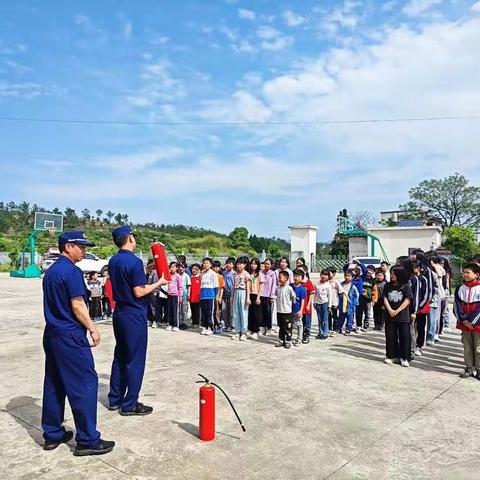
31	270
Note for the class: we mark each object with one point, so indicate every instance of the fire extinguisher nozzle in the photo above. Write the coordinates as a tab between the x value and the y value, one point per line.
243	428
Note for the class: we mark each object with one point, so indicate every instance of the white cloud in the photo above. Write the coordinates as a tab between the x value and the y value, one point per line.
246	14
279	43
27	90
272	39
342	16
475	7
244	46
418	7
293	19
267	33
87	25
158	85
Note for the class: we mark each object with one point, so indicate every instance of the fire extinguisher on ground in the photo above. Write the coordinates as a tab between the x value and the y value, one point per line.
207	409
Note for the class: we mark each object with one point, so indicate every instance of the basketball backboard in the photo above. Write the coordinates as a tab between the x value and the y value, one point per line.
51	222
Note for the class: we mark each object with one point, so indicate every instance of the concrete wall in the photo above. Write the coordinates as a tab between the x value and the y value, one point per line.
398	240
303	239
357	247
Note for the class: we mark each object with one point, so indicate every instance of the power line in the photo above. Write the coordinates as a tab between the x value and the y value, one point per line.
274	123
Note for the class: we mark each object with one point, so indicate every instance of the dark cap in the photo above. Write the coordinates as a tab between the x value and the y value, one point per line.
74	237
121	231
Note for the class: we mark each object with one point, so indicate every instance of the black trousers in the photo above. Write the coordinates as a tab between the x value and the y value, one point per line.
95	307
254	314
284	321
266	313
172	310
421	326
161	310
195	308
206	305
332	318
442	309
362	311
378	318
397	339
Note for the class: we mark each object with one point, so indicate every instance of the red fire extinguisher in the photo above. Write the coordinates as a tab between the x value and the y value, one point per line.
206	427
160	257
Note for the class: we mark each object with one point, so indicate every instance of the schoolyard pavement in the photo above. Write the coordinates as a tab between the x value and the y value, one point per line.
328	410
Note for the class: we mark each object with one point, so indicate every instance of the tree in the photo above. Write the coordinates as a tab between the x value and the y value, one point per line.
239	237
451	199
110	215
461	241
340	246
118	218
363	219
86	214
98	213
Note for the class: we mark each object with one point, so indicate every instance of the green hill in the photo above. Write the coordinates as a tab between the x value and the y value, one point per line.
16	223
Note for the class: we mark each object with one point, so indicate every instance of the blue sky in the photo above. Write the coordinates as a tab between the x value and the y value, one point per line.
236	61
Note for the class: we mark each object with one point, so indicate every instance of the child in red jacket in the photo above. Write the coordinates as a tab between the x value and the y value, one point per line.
467	311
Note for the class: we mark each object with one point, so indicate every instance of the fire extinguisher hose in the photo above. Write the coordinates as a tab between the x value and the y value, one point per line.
205	380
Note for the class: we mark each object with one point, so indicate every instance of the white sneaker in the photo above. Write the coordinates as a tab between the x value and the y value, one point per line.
175	329
202	331
169	328
404	363
437	338
418	352
249	335
254	336
430	343
208	332
388	361
234	337
242	338
154	325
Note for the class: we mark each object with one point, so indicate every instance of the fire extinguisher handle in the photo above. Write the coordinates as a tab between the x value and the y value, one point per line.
205	379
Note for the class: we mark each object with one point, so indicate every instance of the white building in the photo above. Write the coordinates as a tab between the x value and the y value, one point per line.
303	243
399	241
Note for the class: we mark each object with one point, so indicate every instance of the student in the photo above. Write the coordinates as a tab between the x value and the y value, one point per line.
419	308
217	314
360	272
365	300
95	288
336	290
436	263
208	293
257	280
108	294
300	263
183	260
183	308
194	298
284	266
432	325
285	297
175	298
348	303
241	298
267	295
397	298
298	306
385	267
467	310
307	311
228	277
377	299
322	301
153	301
445	317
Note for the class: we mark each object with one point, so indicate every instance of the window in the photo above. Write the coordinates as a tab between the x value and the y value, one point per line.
89	256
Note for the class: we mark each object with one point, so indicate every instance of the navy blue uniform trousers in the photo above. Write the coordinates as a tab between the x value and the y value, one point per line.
128	367
69	371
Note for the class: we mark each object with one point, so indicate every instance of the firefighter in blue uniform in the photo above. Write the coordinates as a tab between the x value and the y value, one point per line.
69	366
130	291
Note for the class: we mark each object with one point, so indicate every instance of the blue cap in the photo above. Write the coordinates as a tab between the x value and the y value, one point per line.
74	237
120	231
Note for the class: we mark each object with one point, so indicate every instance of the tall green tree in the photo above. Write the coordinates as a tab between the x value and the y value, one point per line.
461	241
452	199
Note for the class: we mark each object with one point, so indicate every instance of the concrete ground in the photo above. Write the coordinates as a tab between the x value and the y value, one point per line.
328	410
